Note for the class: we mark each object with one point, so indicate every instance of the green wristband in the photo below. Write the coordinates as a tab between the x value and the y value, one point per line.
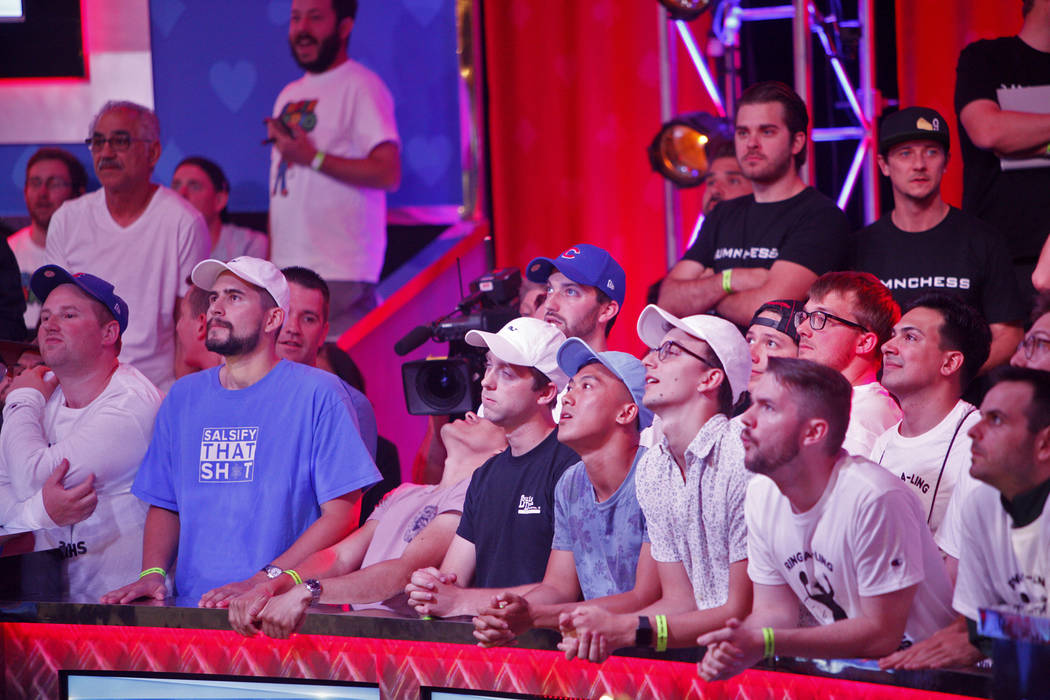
661	632
295	576
767	638
727	281
153	570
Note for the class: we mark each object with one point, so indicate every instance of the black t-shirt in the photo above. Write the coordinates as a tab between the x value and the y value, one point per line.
1012	202
508	513
807	229
960	255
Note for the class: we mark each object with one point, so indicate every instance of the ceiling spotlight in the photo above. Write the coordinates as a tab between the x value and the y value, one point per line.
680	149
686	10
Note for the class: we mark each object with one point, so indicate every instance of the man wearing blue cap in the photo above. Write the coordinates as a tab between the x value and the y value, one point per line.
585	288
82	418
599	530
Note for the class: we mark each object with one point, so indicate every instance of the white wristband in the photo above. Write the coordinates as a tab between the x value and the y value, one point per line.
318	160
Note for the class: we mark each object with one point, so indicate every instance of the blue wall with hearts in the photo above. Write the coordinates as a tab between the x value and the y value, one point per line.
219	64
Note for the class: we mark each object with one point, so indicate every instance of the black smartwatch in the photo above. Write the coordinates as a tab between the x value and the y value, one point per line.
643	636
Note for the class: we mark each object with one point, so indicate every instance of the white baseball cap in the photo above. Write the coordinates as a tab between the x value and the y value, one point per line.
725	340
528	342
261	273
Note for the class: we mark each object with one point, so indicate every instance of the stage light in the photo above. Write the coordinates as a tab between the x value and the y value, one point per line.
685	10
679	150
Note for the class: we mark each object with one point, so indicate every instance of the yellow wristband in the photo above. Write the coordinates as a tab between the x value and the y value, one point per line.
295	576
153	570
767	638
661	632
727	279
318	160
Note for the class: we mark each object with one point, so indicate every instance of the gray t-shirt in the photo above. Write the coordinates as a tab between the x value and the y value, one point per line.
605	537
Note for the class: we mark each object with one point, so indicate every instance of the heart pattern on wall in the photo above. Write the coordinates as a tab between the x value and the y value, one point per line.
232	83
428	156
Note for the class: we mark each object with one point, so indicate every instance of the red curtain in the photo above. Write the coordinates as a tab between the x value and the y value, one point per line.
930	35
574	102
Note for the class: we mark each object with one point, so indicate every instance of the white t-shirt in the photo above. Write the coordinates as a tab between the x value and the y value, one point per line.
235	241
147	263
1001	566
107	438
336	230
30	257
865	537
949	534
918	460
872	412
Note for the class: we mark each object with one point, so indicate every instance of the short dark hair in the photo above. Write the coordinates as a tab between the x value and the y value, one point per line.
539	379
725	391
796	117
344	9
77	172
1026	7
963	328
1038	411
720	148
820	392
344	366
199	300
305	277
214	173
875	307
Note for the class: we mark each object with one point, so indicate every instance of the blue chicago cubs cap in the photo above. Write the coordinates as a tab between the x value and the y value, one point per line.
574	354
583	264
45	279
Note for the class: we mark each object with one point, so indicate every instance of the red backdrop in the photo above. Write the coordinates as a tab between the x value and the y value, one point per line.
930	35
574	101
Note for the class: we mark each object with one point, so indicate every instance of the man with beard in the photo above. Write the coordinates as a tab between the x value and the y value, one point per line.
254	465
140	236
335	153
837	533
53	175
768	245
585	288
948	250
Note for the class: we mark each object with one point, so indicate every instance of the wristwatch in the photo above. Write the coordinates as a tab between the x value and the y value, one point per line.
314	586
272	571
643	636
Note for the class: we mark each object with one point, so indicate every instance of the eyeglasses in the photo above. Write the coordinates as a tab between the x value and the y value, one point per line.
51	183
120	141
818	319
664	351
1031	344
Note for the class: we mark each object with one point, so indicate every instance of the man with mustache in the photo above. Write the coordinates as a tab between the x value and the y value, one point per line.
585	288
53	175
335	154
140	236
834	532
254	465
948	250
768	245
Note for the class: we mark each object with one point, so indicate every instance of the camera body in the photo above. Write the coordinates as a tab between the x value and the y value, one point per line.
452	385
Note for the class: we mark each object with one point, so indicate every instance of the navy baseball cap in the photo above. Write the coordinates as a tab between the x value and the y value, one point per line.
583	264
913	124
786	310
44	281
575	353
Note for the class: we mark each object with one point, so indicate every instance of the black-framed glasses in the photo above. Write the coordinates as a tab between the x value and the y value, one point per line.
1031	344
818	319
664	351
119	141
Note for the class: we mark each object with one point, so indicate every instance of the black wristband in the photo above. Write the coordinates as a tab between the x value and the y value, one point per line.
643	636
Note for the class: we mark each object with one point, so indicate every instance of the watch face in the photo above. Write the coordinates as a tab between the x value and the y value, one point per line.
314	586
272	571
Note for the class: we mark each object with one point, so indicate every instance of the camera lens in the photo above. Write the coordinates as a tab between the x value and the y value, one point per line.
440	386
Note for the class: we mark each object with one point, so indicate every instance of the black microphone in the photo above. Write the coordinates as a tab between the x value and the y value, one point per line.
413	339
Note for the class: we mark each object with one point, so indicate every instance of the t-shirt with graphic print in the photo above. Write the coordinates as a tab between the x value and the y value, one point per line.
865	537
1001	566
247	470
604	538
807	229
508	514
